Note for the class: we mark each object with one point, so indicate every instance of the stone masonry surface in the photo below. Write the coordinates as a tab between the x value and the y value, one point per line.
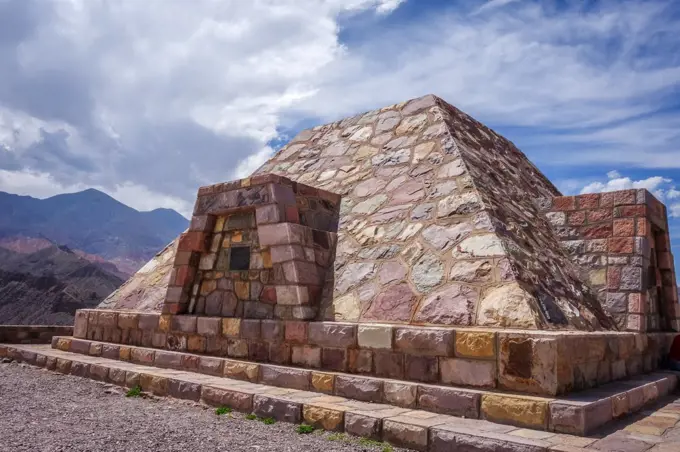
654	430
548	364
438	224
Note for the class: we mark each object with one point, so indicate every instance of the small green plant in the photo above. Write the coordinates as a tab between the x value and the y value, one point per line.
384	447
222	410
251	417
304	429
268	420
339	437
134	392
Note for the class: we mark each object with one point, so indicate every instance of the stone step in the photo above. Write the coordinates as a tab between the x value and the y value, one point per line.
416	429
578	413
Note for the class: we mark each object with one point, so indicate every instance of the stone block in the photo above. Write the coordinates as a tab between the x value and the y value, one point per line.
327	334
306	356
421	368
231	327
360	361
280	353
142	356
132	379
63	344
148	321
296	331
389	364
522	411
79	369
579	418
168	360
375	336
80	324
323	382
400	394
116	376
475	344
272	330
63	366
250	328
237	348
468	372
285	377
363	426
292	295
209	326
422	341
196	343
184	390
405	435
210	366
281	410
326	418
99	373
154	384
128	321
456	402
241	371
239	401
80	346
258	351
359	388
465	439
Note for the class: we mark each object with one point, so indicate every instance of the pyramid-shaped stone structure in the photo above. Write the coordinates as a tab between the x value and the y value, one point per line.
438	223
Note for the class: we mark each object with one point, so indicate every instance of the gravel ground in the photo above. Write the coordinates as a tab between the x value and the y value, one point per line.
45	411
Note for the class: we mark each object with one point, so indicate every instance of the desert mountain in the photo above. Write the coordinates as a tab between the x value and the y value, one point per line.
91	224
47	286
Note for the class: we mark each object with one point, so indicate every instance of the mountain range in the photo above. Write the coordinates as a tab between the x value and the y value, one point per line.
71	251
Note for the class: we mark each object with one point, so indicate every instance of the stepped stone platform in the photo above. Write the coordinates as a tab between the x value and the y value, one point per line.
409	256
418	427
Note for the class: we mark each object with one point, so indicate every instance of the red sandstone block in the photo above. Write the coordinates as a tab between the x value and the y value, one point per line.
600	231
281	410
296	331
202	223
239	401
621	245
598	215
192	241
618	198
306	356
665	259
389	364
285	377
183	323
185	258
631	211
292	214
334	359
613	278
183	275
456	402
637	303
268	295
280	353
285	253
176	295
424	341
208	326
421	368
282	194
564	203
359	388
624	227
263	179
643	228
272	330
577	218
148	321
128	321
588	201
250	329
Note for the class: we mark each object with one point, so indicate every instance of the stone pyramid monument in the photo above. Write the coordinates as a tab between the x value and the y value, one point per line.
409	257
438	223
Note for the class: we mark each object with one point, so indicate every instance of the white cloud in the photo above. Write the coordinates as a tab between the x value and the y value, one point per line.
613	174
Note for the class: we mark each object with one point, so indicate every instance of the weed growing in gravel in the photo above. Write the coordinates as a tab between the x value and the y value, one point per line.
384	447
251	417
268	420
339	437
134	392
222	410
304	429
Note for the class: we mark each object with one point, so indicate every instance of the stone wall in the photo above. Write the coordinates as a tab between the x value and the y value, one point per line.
547	363
32	334
621	241
256	248
437	226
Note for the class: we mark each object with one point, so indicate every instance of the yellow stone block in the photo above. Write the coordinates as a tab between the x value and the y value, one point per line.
475	344
323	417
164	323
219	275
267	259
242	289
95	349
323	382
598	277
241	371
231	327
245	182
196	343
63	344
237	237
124	353
208	286
219	224
528	412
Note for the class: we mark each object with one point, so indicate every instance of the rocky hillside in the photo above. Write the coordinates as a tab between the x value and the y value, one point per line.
91	223
47	286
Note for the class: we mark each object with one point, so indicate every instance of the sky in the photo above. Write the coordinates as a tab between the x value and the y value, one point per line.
148	100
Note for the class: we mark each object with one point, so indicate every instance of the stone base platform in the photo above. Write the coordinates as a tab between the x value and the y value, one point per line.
407	427
577	414
524	361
